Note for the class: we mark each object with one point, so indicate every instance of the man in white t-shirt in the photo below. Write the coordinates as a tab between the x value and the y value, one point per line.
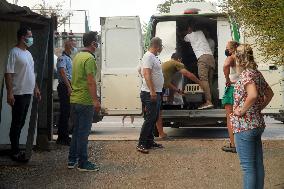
206	62
151	92
21	85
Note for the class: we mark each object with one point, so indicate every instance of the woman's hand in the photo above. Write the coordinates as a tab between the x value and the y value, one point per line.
238	112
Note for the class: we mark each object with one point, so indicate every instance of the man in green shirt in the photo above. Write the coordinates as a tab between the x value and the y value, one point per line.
84	102
170	68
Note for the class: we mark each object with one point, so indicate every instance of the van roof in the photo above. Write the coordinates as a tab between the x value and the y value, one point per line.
164	15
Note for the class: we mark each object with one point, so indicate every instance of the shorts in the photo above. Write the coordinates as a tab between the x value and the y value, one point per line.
228	97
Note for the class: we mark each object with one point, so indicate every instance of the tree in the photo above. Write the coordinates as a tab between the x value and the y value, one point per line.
165	7
263	20
47	10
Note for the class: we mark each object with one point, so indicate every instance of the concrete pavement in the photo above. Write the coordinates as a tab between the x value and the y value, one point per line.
111	128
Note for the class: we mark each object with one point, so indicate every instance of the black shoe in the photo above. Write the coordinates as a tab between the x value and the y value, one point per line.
19	157
229	149
142	149
155	145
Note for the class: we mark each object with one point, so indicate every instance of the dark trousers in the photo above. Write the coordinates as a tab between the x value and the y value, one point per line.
19	114
64	101
151	112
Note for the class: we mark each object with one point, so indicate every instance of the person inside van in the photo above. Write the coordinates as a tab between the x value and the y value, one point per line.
211	42
205	61
170	68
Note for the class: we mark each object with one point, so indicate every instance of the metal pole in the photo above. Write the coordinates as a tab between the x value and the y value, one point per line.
69	14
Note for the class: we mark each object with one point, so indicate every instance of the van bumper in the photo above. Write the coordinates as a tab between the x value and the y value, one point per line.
194	118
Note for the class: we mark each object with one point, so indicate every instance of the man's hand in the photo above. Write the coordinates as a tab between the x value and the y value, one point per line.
10	99
69	91
228	82
180	92
97	106
37	94
153	96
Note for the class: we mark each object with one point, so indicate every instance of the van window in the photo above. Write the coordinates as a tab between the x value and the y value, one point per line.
167	32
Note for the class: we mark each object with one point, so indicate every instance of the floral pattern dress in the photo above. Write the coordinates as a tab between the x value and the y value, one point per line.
253	117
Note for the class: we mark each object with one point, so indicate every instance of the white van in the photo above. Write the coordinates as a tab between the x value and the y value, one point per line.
122	49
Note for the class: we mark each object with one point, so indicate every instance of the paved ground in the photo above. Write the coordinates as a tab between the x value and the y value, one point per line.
183	164
192	159
111	129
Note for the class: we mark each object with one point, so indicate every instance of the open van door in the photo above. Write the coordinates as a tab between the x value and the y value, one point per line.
224	34
121	53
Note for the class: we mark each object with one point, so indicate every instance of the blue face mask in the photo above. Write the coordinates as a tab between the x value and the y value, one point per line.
74	50
29	41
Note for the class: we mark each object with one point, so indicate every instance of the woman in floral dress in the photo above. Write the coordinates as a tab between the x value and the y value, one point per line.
252	94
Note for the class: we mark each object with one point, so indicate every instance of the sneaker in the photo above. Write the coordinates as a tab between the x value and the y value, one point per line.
205	106
88	167
142	149
72	165
155	145
229	149
162	138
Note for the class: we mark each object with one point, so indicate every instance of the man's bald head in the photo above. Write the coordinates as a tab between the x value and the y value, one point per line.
156	45
156	42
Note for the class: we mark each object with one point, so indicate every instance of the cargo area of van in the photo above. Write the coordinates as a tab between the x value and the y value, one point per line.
175	27
120	83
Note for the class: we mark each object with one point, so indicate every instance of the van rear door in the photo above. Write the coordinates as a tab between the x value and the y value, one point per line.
121	53
224	35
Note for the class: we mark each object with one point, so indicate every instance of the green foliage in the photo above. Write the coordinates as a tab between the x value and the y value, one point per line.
144	28
165	7
263	20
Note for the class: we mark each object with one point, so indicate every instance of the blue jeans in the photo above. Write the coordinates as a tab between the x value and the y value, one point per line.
151	112
82	116
249	148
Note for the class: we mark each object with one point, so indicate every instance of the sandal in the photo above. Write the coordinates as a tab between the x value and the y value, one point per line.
229	148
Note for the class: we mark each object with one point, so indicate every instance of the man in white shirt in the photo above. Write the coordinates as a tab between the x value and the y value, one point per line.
20	84
151	92
206	62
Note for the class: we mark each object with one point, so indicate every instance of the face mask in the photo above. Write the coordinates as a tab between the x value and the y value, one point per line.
29	41
74	50
227	53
